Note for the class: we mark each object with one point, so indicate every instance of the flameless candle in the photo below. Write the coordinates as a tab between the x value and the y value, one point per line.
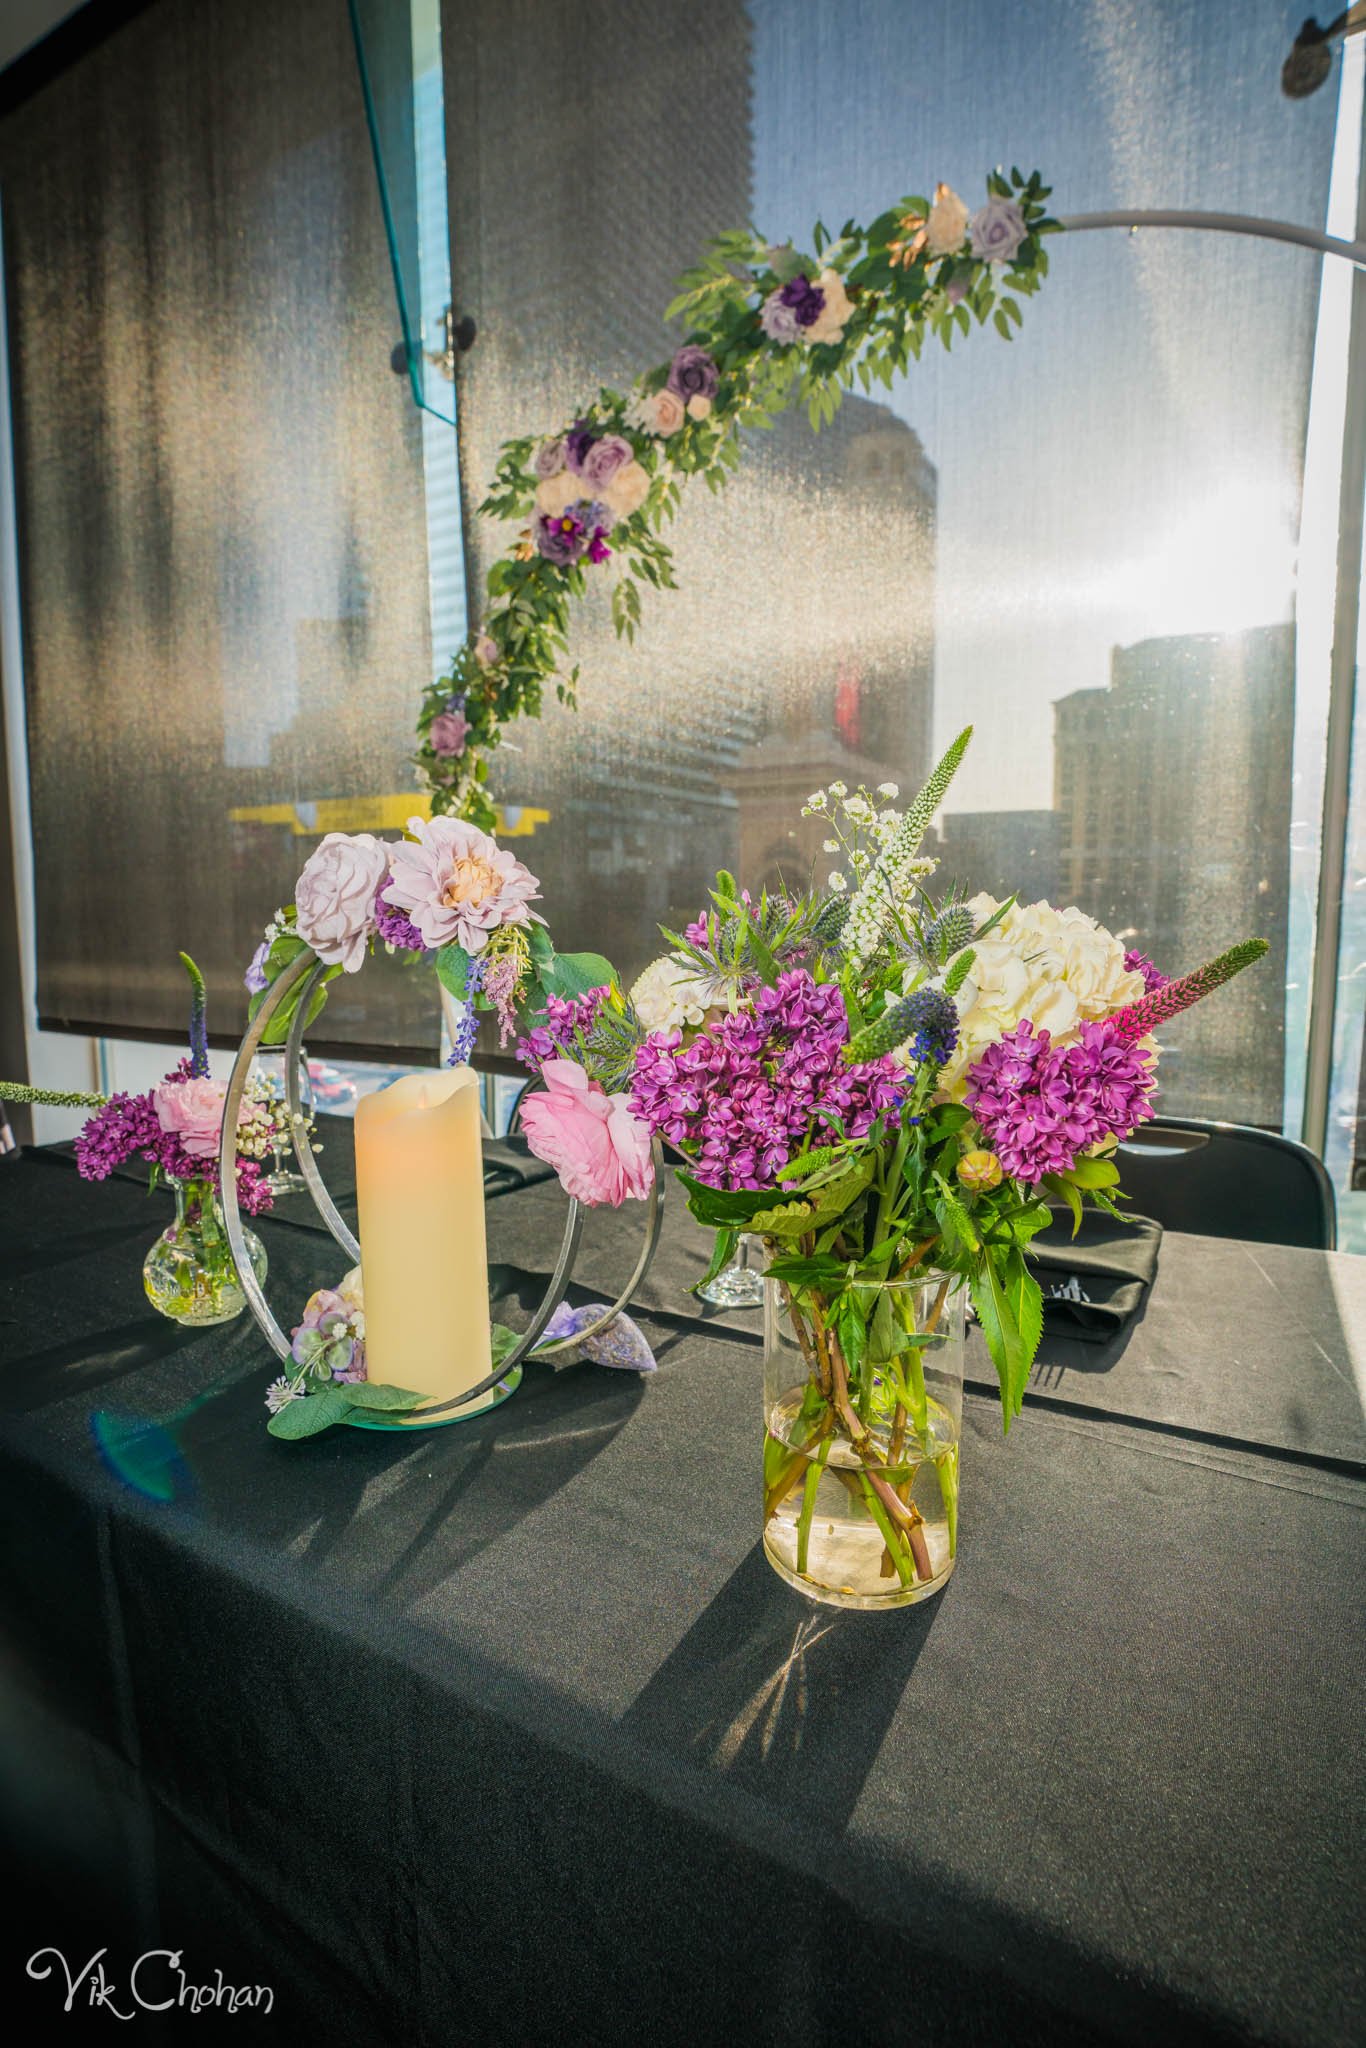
420	1193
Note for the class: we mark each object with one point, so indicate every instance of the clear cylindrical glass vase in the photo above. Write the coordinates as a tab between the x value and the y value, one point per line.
863	1408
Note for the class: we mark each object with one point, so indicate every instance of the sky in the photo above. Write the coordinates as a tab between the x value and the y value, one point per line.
1130	466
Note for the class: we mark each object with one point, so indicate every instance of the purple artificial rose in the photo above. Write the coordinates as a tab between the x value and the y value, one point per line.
778	321
604	459
693	374
447	733
805	300
256	978
549	458
577	444
997	230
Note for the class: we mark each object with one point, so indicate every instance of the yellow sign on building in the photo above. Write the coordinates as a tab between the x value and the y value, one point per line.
309	820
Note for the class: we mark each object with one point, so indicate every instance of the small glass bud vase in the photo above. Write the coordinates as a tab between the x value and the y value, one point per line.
863	1406
189	1272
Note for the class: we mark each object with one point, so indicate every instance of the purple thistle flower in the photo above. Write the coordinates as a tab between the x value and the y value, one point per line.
933	1026
394	925
1153	978
1040	1106
1136	1020
742	1098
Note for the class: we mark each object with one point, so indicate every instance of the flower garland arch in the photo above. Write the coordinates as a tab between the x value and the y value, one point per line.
768	327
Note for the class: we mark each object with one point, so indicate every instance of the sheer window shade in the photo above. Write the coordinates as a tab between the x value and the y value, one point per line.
223	549
1084	542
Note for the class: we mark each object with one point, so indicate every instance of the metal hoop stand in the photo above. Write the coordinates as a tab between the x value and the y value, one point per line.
307	968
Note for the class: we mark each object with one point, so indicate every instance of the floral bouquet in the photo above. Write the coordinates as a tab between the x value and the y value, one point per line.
889	1091
189	1274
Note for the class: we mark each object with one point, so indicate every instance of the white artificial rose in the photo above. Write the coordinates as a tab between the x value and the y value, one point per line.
947	226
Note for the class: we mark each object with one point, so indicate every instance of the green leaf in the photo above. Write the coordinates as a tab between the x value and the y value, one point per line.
573	974
378	1394
723	1251
453	971
1065	1191
1009	1308
1092	1173
785	1219
310	1414
724	1208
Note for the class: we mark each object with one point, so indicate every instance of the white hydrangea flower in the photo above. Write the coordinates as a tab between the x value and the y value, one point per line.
671	994
1058	968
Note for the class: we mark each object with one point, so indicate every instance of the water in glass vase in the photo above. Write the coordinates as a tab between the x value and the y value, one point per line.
829	1526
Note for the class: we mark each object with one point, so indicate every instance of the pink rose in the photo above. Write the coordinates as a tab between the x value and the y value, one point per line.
668	412
192	1111
335	897
600	1151
447	733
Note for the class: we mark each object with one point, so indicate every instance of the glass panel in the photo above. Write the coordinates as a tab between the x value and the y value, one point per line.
1085	542
221	501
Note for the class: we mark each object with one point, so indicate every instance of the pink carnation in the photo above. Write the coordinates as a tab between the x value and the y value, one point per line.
599	1150
458	885
192	1112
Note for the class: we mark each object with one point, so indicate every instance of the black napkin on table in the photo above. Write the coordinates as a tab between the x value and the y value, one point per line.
1094	1283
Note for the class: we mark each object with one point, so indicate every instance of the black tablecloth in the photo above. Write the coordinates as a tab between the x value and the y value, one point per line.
507	1730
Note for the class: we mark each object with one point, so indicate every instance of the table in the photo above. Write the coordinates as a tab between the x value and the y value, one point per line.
508	1731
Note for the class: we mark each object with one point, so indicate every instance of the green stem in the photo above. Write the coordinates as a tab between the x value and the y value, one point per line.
809	1491
946	1471
896	1544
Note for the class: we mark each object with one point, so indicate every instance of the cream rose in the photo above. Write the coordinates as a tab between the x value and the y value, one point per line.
558	493
947	225
829	324
627	491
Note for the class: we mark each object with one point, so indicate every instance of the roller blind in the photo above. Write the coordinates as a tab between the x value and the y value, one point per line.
220	486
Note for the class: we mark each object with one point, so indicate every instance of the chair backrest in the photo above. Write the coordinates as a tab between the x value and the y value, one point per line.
1228	1180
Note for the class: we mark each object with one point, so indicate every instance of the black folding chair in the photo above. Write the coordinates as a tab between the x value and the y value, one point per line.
1228	1180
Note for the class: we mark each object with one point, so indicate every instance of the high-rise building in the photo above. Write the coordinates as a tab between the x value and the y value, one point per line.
1173	793
798	644
1004	852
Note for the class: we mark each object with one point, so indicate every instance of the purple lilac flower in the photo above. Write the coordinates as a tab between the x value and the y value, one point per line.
1153	978
743	1097
577	443
127	1127
1040	1106
806	300
693	372
565	1017
395	926
255	979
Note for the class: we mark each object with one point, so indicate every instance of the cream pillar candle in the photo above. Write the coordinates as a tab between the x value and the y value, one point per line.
420	1193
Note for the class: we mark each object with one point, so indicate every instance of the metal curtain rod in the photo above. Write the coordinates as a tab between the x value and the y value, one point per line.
1229	224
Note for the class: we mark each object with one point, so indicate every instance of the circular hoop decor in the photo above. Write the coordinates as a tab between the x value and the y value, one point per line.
767	327
294	994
